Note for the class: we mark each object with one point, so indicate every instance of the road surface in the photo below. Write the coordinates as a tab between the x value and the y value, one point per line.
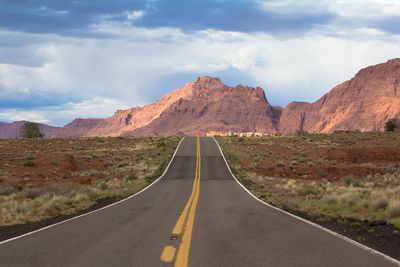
196	215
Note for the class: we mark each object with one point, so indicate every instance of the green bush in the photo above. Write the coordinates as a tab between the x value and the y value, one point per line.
103	186
29	163
390	126
355	224
350	180
131	177
30	130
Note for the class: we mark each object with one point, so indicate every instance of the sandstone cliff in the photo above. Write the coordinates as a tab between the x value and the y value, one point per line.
365	102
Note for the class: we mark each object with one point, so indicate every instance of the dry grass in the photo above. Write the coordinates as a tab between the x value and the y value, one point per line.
375	198
101	167
371	197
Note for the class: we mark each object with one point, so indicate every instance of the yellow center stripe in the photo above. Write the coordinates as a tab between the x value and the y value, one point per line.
178	229
168	254
182	256
186	220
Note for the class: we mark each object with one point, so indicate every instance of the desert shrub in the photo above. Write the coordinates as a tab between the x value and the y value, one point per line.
29	163
63	189
302	132
350	180
308	190
280	164
7	190
379	204
330	200
30	130
322	174
30	193
394	209
390	126
390	169
355	224
103	186
131	177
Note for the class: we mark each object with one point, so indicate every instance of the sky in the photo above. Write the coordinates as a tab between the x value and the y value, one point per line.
61	60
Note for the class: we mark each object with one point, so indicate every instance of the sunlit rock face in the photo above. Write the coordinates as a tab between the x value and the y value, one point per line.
366	102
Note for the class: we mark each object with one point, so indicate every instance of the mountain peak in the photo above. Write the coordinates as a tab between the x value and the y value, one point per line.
394	61
206	80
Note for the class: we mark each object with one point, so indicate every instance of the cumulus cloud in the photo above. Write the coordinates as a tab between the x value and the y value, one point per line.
364	9
97	107
18	115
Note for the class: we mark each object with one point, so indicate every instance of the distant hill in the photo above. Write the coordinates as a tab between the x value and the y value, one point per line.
12	130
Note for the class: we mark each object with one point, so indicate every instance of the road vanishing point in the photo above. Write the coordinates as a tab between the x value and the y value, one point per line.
195	215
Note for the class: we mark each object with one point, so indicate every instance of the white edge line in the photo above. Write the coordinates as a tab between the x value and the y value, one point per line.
373	251
102	208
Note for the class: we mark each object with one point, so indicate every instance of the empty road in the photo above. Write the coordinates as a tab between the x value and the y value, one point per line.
196	215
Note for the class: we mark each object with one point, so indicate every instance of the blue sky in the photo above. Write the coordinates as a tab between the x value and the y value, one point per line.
60	60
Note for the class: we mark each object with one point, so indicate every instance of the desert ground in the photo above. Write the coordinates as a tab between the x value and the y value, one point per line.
44	178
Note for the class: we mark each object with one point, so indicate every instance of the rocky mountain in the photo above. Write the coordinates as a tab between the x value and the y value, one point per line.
194	109
12	130
213	106
366	102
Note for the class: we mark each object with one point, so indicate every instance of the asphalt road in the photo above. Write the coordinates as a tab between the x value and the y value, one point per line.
196	215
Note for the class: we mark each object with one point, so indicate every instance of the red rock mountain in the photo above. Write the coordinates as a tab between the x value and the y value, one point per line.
12	130
365	102
194	109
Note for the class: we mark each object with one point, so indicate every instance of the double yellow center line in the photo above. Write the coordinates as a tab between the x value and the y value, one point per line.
185	222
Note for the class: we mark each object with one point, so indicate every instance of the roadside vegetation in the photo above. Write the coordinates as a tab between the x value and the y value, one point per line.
43	178
30	130
345	175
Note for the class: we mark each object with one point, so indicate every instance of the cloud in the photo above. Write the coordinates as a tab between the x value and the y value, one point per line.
134	15
97	107
74	17
365	9
286	7
15	115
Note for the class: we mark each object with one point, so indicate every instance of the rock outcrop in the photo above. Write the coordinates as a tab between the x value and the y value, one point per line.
366	102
